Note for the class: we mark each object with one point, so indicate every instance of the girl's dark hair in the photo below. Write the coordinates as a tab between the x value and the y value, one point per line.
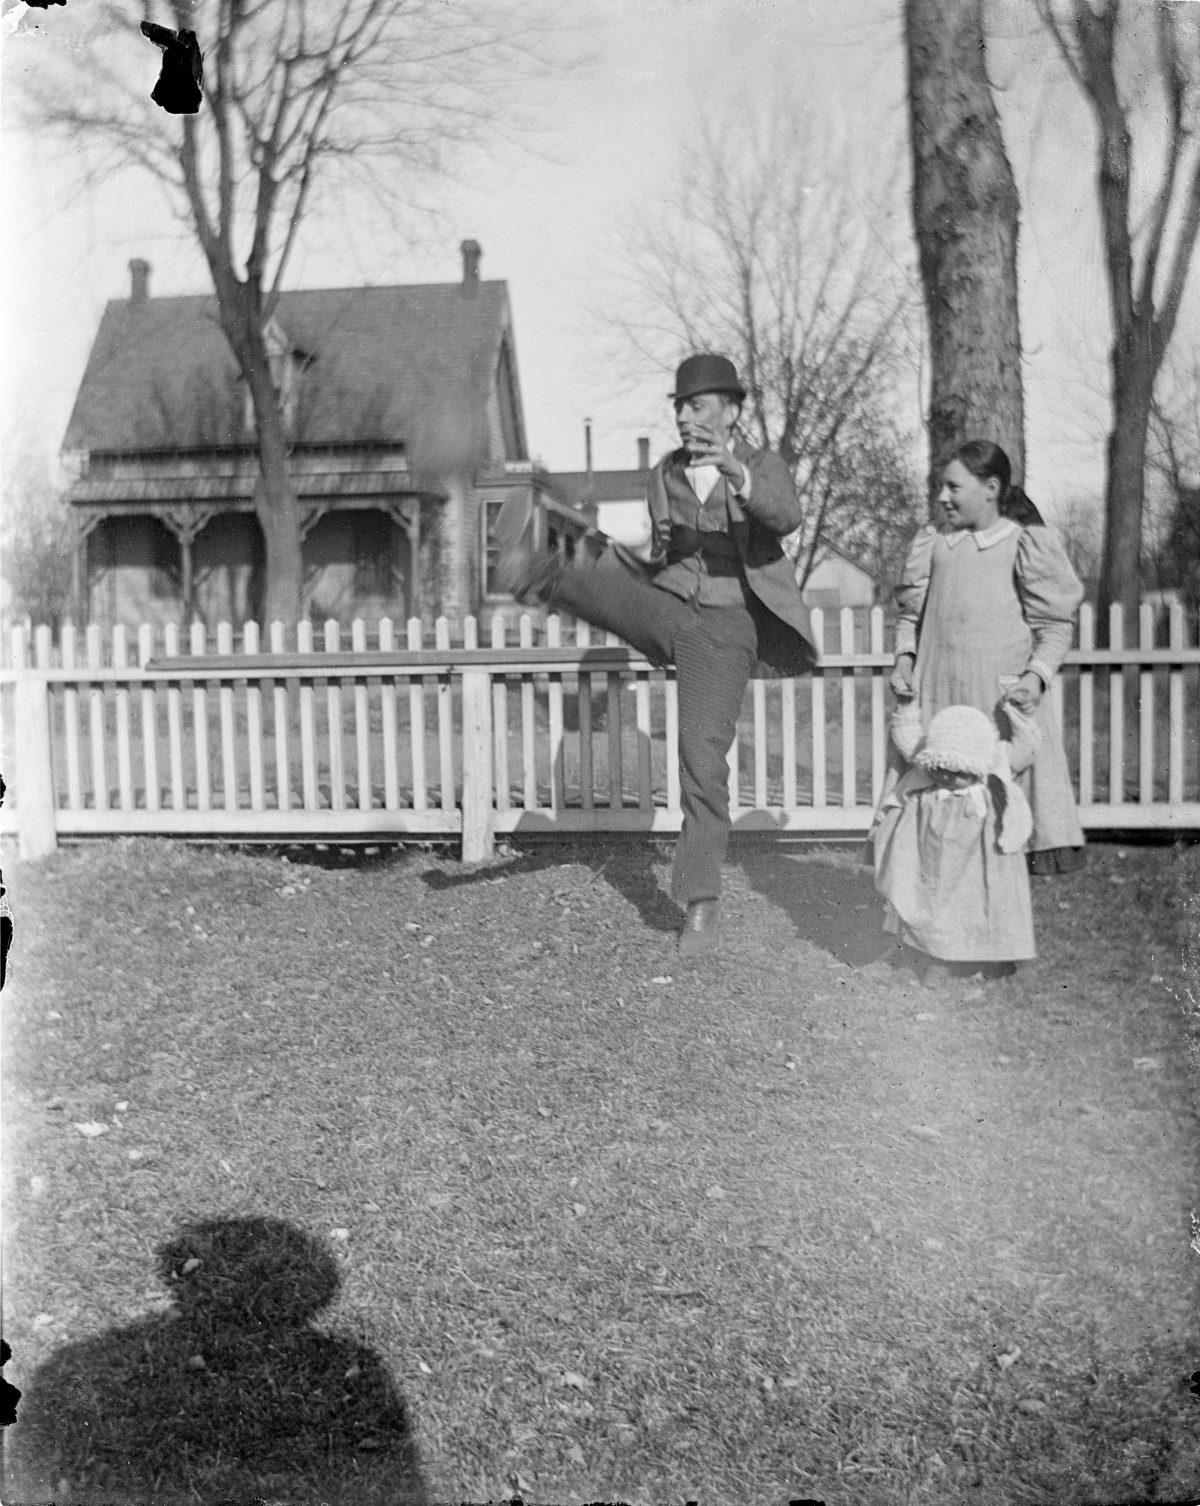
984	460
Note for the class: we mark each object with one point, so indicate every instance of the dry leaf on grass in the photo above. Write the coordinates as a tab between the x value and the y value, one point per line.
91	1129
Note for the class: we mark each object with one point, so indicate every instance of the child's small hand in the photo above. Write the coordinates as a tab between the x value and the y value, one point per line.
1026	695
902	683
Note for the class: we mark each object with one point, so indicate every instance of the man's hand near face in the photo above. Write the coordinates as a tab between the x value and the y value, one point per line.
707	447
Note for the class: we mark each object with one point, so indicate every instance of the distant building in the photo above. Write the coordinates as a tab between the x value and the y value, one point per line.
837	581
618	498
403	407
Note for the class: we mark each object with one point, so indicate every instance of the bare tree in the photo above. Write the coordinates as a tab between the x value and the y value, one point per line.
37	537
760	249
1173	477
1079	527
1147	253
965	213
301	96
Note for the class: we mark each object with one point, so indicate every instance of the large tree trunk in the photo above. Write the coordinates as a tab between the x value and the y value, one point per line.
274	496
965	212
275	504
1125	482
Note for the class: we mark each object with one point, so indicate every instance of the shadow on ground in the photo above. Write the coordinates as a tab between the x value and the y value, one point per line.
628	867
362	856
829	898
231	1393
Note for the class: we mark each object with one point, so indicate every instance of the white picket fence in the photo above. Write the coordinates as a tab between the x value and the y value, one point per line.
555	732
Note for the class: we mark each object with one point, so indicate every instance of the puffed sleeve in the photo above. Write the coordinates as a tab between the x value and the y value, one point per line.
1024	738
1050	594
912	588
906	728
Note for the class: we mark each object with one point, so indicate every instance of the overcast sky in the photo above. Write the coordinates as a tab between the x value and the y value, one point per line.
548	222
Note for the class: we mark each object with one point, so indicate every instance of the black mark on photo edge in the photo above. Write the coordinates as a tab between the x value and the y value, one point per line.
180	86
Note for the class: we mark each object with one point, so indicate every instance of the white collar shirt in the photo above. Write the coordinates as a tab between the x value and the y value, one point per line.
984	537
703	478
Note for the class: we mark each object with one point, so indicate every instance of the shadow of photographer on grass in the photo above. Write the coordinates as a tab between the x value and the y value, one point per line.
232	1394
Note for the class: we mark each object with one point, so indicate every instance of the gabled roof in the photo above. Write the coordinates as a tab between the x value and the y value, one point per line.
412	366
825	549
577	488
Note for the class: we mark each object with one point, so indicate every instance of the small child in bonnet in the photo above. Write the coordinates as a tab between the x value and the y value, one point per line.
949	842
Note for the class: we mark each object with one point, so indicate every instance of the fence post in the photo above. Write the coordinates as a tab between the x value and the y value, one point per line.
477	802
36	834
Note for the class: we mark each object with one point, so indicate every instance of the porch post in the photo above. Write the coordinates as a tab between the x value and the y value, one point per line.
186	586
414	561
78	575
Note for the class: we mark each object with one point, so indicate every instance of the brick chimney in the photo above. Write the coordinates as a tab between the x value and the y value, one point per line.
643	454
139	274
471	252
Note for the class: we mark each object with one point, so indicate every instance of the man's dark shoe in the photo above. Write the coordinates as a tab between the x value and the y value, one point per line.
699	931
513	537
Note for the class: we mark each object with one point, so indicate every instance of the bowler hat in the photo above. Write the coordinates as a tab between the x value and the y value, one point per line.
707	374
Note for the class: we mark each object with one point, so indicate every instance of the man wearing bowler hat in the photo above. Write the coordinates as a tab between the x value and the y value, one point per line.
719	601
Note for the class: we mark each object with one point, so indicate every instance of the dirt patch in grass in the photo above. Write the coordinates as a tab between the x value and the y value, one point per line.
586	1223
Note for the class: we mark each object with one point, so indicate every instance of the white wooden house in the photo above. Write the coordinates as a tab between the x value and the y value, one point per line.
403	406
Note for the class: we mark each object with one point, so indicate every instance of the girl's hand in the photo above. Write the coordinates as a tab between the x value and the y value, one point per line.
902	683
1026	694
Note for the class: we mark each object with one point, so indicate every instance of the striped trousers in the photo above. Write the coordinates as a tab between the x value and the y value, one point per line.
714	650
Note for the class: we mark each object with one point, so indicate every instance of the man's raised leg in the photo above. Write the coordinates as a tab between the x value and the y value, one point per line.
597	588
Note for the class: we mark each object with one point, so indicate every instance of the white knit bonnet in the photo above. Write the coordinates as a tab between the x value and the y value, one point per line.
959	740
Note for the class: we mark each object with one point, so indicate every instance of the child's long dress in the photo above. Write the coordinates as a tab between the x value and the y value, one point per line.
951	892
980	609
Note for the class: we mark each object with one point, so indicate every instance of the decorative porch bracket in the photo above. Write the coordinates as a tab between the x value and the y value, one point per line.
185	523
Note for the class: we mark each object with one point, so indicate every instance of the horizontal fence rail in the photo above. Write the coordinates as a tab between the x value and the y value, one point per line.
316	739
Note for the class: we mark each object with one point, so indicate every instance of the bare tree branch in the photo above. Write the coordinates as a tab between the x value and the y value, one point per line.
300	94
754	251
1088	39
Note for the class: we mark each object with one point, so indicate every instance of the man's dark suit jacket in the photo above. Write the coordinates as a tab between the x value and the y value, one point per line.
756	524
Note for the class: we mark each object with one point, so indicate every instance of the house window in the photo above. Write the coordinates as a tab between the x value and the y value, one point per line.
488	553
374	554
560	541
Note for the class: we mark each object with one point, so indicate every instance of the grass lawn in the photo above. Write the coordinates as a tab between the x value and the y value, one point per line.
391	1179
